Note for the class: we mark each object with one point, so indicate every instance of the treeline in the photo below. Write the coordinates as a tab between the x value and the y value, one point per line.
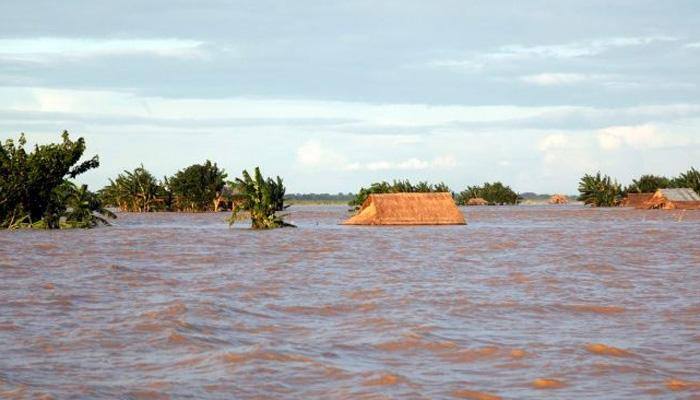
320	197
603	191
491	193
36	190
200	188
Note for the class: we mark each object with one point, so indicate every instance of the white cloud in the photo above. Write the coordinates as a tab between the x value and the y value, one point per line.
638	137
46	49
313	154
553	79
412	164
516	52
553	142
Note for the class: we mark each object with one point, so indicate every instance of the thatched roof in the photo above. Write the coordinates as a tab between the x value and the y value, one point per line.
477	201
636	200
558	199
674	199
408	209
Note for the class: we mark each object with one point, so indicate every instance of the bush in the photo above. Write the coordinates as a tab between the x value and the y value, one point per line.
494	193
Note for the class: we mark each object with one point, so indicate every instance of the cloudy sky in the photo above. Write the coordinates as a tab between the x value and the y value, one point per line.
334	95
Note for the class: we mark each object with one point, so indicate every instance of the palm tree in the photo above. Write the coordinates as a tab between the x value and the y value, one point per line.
599	191
261	198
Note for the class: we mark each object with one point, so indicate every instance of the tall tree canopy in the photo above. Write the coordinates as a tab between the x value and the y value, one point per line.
33	188
197	187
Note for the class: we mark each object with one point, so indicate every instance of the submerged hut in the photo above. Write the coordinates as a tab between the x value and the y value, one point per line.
408	209
674	199
477	201
558	199
636	200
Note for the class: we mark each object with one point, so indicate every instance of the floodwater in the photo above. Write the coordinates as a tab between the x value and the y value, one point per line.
524	302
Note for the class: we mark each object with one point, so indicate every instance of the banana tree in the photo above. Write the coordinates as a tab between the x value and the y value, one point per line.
260	197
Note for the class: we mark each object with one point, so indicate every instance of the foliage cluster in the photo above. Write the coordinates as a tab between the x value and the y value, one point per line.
197	188
494	193
261	198
35	190
599	191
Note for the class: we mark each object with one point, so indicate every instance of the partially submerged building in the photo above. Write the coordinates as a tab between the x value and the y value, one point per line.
636	200
674	199
408	209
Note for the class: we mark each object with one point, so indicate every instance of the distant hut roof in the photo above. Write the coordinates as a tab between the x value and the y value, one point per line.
477	201
558	199
408	209
674	199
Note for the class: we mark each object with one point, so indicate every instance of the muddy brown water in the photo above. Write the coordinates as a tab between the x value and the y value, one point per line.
524	302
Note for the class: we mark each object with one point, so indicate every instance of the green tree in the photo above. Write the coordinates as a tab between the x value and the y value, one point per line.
260	197
599	191
494	193
84	208
135	191
198	187
31	182
648	184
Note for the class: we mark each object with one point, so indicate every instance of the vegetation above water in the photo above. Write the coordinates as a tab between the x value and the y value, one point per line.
197	188
262	199
136	191
35	191
320	198
599	190
494	193
399	186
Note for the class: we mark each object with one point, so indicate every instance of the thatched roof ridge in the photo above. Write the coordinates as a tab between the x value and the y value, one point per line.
477	201
408	209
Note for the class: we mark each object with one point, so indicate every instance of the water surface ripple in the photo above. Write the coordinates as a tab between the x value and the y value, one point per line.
524	302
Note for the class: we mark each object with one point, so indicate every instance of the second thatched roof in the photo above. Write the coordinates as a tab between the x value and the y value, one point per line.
408	209
477	201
